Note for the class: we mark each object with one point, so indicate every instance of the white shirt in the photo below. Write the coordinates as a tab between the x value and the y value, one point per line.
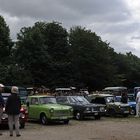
138	96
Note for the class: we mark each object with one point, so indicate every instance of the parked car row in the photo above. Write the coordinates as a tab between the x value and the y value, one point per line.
46	109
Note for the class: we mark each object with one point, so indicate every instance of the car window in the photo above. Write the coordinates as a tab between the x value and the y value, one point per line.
47	100
72	100
34	101
99	100
110	99
81	99
62	100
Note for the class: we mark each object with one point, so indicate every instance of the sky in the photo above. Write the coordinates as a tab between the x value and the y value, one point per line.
115	21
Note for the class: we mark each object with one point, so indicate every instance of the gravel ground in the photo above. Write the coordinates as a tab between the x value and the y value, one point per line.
104	129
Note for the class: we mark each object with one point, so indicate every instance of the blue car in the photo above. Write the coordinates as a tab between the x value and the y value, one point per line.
131	102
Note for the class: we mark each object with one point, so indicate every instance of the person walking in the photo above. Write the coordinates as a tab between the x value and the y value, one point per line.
138	104
12	108
1	103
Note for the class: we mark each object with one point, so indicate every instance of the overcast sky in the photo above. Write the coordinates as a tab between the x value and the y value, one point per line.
116	21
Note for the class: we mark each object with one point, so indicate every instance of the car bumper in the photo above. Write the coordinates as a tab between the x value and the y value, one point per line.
22	118
61	118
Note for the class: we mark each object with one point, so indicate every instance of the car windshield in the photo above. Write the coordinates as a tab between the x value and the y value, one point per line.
80	99
47	100
131	99
110	99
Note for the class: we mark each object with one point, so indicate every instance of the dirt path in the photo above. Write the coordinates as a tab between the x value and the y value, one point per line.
104	129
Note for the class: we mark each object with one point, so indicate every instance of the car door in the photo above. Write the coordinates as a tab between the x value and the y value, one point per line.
33	107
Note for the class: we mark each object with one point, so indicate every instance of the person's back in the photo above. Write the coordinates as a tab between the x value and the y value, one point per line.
13	104
12	108
124	98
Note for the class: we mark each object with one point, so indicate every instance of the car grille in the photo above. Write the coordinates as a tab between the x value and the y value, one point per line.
95	109
61	113
125	108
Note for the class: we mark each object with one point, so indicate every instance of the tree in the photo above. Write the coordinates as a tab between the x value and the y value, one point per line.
5	41
91	59
42	49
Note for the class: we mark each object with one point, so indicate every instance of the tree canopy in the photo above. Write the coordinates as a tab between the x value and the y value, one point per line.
50	55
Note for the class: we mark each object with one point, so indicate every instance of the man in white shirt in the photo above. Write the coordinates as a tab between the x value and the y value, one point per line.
138	104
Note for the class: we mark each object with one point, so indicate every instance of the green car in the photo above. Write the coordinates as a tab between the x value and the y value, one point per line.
113	107
45	109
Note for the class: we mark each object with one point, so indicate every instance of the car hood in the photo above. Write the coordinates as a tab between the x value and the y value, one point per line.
91	105
119	104
132	103
56	106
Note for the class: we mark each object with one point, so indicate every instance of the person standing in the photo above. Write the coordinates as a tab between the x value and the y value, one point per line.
124	98
138	104
12	108
1	103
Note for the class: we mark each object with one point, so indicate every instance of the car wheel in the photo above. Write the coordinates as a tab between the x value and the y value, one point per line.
78	116
132	112
97	117
43	119
66	122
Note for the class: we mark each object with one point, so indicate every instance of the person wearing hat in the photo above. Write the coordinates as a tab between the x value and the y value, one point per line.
1	103
12	108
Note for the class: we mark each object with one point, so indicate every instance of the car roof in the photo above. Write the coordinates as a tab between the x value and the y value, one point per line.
69	96
115	88
101	95
39	96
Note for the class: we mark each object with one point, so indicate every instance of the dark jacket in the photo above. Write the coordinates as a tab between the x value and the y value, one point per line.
1	101
13	104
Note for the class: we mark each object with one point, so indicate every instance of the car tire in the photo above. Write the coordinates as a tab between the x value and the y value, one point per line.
66	121
97	117
78	116
43	119
132	112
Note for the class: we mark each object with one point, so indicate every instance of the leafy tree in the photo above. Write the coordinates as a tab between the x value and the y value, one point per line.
5	41
41	49
91	59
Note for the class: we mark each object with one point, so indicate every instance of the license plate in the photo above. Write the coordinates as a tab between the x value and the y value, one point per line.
4	116
63	118
96	113
126	111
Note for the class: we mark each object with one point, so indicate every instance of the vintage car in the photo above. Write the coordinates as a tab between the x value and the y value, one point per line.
131	102
23	113
45	109
81	107
113	107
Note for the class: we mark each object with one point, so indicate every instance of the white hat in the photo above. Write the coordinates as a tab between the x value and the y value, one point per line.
1	85
14	89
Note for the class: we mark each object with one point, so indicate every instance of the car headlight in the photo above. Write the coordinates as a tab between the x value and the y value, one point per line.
51	110
71	109
87	109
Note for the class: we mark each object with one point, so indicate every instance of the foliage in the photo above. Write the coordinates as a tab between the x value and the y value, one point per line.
47	54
